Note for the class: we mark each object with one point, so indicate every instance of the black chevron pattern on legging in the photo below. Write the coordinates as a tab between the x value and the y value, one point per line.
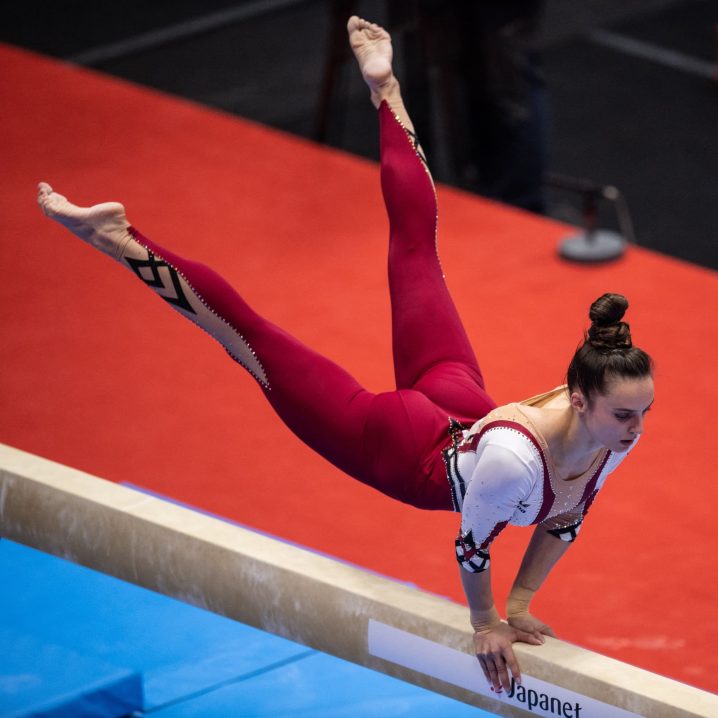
154	265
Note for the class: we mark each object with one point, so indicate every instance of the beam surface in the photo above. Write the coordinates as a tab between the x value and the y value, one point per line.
311	599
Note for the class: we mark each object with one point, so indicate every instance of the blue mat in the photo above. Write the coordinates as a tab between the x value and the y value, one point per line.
320	686
84	643
40	679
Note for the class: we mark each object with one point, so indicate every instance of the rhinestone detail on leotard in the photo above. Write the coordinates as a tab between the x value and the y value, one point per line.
258	373
414	142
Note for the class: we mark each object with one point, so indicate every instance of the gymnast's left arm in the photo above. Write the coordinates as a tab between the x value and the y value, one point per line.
542	553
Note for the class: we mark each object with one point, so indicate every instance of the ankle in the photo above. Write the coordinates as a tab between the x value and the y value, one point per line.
388	90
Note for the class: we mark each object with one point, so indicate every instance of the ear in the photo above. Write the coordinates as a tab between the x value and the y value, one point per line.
579	402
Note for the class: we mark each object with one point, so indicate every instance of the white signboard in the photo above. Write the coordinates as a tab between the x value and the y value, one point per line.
460	669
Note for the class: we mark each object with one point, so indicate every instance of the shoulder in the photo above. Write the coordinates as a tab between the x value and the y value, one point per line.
508	455
512	437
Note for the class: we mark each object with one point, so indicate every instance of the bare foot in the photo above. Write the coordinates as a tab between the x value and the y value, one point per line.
104	226
371	45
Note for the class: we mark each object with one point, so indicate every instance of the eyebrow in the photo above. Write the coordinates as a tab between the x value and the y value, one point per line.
633	410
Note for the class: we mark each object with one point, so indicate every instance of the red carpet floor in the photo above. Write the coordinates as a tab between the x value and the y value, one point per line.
97	373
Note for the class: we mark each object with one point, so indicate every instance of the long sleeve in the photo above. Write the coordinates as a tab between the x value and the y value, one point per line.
501	482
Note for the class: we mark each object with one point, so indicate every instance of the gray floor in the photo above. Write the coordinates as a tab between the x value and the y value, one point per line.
632	89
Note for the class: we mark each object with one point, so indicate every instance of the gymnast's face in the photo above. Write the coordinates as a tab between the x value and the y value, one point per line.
615	419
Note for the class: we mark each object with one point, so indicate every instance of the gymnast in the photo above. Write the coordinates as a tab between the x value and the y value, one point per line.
438	441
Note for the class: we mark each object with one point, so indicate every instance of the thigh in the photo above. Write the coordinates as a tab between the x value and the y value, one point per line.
404	436
458	390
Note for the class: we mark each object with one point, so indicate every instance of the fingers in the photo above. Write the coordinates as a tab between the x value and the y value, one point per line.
531	625
513	666
488	666
484	667
491	666
496	656
498	667
535	638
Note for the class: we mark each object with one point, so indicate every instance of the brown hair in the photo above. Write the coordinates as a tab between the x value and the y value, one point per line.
607	350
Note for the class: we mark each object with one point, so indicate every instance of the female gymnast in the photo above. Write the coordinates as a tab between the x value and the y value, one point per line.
438	441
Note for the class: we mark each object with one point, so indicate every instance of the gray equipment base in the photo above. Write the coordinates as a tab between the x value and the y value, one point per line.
600	245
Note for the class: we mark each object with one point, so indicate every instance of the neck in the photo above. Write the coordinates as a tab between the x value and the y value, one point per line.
573	441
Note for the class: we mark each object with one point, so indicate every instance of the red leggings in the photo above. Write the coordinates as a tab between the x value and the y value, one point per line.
391	441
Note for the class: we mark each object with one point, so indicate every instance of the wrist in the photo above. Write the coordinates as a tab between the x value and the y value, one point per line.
518	601
484	619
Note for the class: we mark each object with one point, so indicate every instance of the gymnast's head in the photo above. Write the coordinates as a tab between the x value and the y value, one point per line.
610	381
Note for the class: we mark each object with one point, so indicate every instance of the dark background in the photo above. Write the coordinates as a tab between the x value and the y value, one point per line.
646	125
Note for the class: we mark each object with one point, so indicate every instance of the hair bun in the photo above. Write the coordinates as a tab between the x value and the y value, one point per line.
608	309
607	331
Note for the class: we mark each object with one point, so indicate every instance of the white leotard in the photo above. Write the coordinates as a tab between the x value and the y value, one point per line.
501	472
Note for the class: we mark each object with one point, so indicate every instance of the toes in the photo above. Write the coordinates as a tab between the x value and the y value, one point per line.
355	23
43	189
44	194
358	24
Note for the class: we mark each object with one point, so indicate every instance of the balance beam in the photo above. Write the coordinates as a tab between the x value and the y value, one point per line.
311	599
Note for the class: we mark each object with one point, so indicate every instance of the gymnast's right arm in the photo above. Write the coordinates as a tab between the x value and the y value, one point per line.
499	482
